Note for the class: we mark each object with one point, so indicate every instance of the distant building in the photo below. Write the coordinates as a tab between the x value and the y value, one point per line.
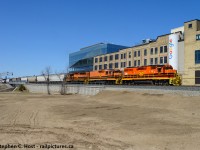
83	59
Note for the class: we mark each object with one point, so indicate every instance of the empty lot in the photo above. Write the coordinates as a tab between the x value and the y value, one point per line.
109	120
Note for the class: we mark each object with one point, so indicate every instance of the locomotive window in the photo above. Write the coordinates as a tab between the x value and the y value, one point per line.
168	68
159	69
141	68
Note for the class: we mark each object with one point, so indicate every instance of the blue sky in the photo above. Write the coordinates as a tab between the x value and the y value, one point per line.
35	34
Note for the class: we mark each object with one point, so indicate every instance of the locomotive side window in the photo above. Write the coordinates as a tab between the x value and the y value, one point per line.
159	69
168	68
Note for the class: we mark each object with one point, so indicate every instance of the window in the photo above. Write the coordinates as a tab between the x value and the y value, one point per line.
135	63
129	63
116	56
190	25
129	54
145	52
135	54
197	77
151	51
197	57
95	67
116	65
145	62
122	56
105	66
156	50
124	64
198	37
161	60
96	60
138	53
165	49
105	58
138	62
100	67
121	64
161	49
156	61
151	61
110	66
111	57
165	59
100	59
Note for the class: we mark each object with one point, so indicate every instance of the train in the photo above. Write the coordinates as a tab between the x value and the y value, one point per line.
152	74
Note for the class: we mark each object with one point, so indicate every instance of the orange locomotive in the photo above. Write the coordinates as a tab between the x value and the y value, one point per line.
153	74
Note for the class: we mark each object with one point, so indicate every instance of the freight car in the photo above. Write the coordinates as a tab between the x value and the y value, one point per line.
53	78
153	74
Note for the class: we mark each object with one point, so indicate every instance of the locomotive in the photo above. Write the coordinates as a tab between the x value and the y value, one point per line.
152	74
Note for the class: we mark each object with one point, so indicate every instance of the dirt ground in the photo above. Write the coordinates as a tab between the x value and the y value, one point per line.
109	120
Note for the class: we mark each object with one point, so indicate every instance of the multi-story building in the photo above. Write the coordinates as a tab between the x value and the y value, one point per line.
180	48
191	75
150	52
83	59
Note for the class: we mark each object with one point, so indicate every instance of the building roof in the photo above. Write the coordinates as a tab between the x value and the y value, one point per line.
192	20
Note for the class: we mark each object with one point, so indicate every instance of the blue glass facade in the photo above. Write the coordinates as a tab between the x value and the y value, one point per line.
83	59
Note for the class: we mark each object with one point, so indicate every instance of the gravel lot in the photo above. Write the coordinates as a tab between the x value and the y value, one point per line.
118	120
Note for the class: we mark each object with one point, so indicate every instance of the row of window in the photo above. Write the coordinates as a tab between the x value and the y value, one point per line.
163	49
153	61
